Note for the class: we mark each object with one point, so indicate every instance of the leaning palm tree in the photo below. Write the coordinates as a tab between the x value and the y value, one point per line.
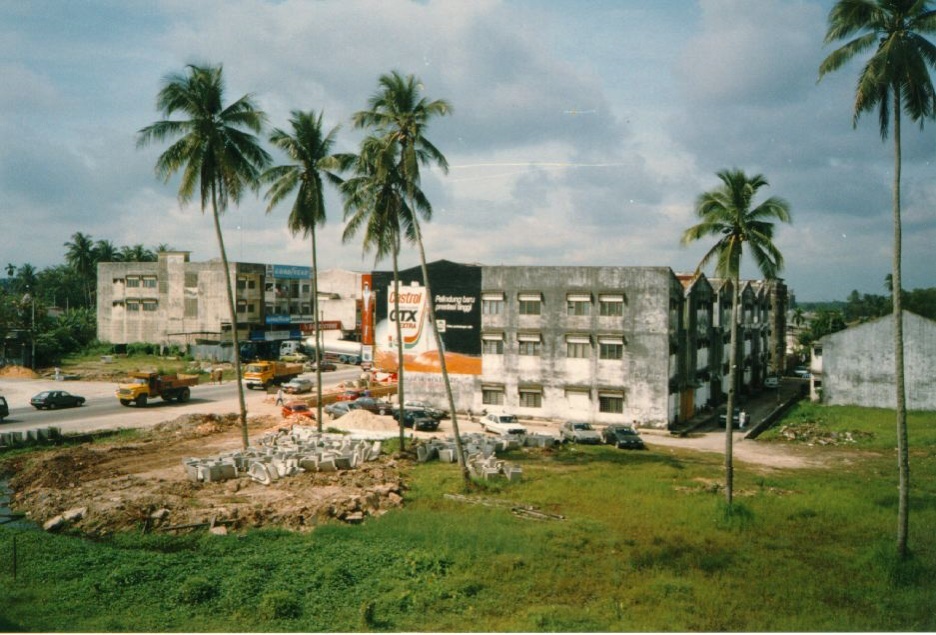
895	79
726	214
400	115
309	150
80	257
217	156
373	202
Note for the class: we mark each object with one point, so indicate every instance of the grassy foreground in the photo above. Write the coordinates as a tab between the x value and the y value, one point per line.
645	545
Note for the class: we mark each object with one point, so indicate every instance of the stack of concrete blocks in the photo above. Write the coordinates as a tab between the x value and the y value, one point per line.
480	454
33	435
537	440
281	454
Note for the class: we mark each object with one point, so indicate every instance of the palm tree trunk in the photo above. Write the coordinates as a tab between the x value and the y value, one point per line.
318	334
903	453
399	340
233	309
732	382
439	346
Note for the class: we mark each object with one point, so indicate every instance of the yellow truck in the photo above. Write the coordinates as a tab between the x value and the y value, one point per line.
141	387
266	374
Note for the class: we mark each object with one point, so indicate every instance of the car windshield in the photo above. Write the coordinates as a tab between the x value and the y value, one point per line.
507	419
581	426
42	395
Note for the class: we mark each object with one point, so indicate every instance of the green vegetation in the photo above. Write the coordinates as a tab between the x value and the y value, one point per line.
646	545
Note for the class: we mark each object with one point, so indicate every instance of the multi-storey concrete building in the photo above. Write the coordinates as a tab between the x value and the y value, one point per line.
608	344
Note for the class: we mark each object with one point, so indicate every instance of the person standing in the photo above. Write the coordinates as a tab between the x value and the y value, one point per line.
279	396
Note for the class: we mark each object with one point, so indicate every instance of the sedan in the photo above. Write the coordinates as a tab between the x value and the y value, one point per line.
371	405
337	409
579	432
326	366
417	418
297	385
622	436
49	399
349	395
298	409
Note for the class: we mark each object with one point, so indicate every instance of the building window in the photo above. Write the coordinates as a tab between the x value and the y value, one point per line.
529	344
492	396
149	282
492	303
612	402
492	344
133	281
610	348
578	347
149	305
133	305
531	304
531	398
241	284
578	304
611	305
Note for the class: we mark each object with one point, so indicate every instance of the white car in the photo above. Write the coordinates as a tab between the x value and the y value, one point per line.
502	423
297	385
579	432
772	382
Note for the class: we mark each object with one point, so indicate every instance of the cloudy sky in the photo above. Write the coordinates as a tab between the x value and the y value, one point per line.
582	131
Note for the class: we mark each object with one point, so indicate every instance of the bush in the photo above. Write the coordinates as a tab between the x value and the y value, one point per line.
279	605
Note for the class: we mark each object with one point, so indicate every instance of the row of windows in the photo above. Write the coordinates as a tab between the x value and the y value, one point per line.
612	403
147	282
576	305
146	305
578	348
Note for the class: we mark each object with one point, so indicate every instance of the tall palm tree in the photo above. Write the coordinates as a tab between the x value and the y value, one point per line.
895	79
80	257
726	214
106	251
217	155
373	202
309	149
400	114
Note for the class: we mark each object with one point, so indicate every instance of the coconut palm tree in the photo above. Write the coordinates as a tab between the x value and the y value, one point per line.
106	251
217	155
309	148
400	115
895	80
80	257
726	214
373	201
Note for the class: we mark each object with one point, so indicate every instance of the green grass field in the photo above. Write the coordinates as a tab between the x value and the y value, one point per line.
646	544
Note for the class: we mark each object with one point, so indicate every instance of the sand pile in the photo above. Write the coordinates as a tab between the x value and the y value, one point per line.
364	420
18	371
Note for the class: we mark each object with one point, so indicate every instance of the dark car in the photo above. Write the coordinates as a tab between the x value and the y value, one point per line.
418	419
298	409
337	409
622	436
371	405
326	366
4	408
735	420
48	399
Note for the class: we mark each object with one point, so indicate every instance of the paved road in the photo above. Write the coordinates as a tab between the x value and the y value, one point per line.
102	410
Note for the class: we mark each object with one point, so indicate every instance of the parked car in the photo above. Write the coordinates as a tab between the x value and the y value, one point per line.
326	366
772	382
802	372
622	436
578	432
298	409
297	385
4	408
48	399
349	395
502	424
735	420
370	404
435	413
294	357
417	418
337	409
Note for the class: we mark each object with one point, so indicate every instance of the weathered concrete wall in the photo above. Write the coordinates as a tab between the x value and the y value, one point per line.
858	364
649	321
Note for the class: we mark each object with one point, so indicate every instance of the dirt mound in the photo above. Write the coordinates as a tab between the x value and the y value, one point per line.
364	420
19	372
122	486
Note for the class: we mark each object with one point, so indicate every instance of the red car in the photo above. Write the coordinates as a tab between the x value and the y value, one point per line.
298	409
349	395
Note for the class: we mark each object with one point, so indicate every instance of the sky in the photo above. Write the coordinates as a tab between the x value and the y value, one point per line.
582	132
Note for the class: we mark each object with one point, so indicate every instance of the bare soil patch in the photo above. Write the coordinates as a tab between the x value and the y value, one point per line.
122	486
